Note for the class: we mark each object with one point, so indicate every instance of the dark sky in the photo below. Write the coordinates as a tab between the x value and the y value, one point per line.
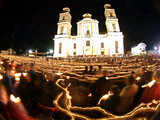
28	24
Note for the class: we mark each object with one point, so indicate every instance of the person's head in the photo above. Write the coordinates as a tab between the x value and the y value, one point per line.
28	78
9	71
156	75
105	73
115	89
3	94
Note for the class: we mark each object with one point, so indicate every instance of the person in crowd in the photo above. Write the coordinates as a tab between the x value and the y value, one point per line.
111	104
86	70
3	101
99	88
152	92
127	95
9	81
11	110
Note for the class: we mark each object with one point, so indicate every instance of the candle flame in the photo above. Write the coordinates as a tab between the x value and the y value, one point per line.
14	99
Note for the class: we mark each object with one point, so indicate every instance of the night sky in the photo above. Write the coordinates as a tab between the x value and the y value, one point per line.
26	24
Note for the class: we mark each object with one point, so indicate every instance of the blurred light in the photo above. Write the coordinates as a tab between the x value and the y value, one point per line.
107	78
30	51
59	73
1	77
24	74
50	51
150	84
105	97
138	78
90	95
14	99
155	48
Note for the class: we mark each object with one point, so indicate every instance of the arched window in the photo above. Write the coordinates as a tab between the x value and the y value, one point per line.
87	43
114	27
74	46
102	52
116	46
102	45
60	48
62	30
74	53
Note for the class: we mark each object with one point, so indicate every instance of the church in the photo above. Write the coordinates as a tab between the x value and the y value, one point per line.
88	41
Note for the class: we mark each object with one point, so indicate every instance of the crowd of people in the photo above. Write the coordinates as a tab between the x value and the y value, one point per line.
26	94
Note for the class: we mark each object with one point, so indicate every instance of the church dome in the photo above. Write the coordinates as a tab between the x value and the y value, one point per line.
87	15
107	6
66	9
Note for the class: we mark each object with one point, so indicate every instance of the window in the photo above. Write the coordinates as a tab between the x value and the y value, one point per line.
74	46
116	46
88	43
102	45
114	27
62	29
60	48
102	52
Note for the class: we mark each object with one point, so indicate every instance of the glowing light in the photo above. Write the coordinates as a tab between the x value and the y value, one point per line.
15	99
24	74
30	51
67	77
1	77
138	78
17	76
12	71
155	48
105	97
150	84
59	73
107	78
90	95
51	51
1	62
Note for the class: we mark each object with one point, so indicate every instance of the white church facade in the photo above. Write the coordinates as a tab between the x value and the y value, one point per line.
88	41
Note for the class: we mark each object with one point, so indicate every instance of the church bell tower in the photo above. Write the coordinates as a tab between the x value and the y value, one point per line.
112	24
64	24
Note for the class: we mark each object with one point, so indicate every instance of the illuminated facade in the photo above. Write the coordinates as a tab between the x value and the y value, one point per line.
88	40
